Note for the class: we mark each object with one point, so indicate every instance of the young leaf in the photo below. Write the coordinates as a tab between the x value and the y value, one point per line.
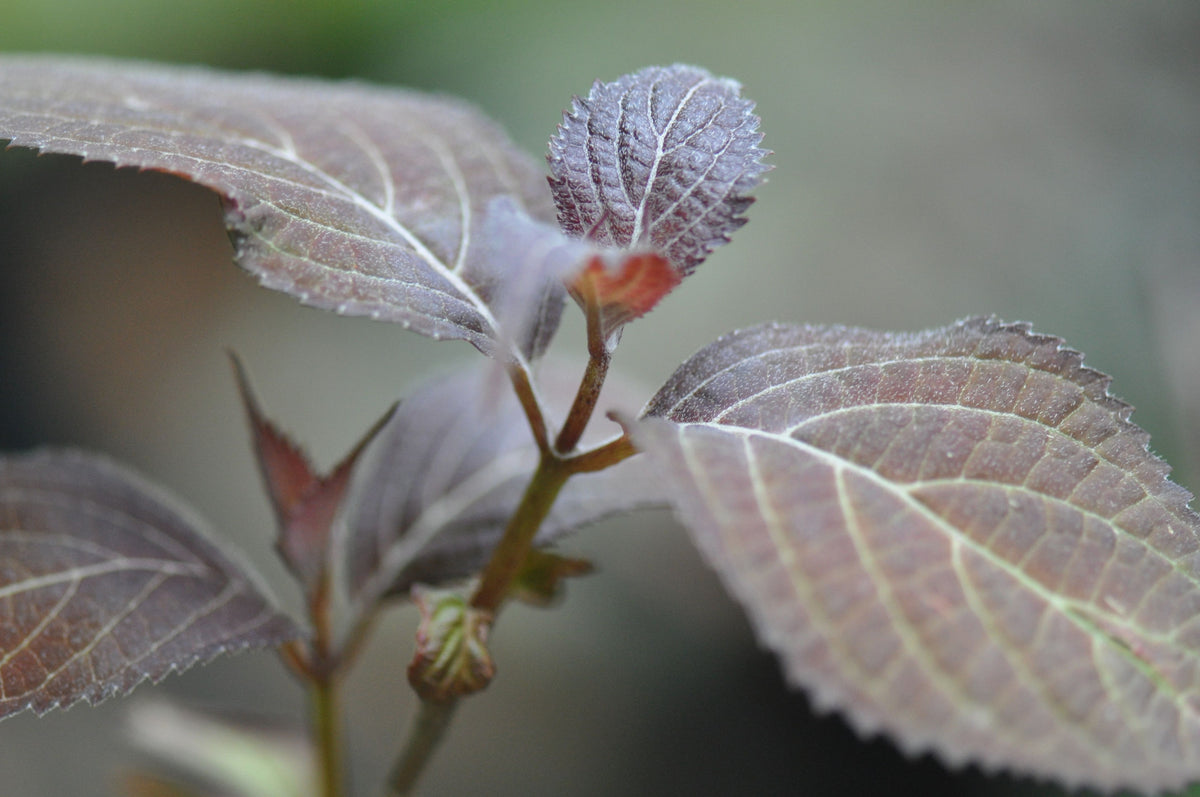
956	537
105	583
436	489
660	160
624	293
367	201
305	502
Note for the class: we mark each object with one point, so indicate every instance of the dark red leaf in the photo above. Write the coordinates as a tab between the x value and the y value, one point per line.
285	469
305	502
625	292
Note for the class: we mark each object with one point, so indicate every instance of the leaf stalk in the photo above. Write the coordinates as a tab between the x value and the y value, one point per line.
599	357
602	457
523	387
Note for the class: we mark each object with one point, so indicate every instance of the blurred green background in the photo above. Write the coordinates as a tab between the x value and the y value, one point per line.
1039	161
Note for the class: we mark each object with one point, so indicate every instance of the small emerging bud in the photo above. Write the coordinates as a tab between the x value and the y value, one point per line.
452	657
539	583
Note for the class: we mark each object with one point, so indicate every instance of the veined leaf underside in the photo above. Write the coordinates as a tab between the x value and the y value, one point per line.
956	536
104	584
361	200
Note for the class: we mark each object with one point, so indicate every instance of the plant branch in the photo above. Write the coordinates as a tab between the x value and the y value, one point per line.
326	730
514	546
295	658
588	394
523	387
602	457
325	711
352	643
426	734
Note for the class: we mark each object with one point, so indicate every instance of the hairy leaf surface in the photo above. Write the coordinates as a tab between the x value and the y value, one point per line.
363	200
956	537
104	584
440	482
661	159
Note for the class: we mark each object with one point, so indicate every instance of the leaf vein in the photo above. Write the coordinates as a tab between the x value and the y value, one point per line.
660	139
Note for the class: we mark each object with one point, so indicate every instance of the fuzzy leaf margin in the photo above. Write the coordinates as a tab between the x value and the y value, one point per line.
955	537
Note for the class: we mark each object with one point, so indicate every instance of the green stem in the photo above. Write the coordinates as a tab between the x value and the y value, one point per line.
322	678
553	470
550	476
325	719
427	731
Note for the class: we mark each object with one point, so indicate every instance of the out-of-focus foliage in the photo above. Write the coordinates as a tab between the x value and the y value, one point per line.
297	35
933	160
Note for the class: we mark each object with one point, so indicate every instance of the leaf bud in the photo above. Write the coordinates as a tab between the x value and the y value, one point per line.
452	657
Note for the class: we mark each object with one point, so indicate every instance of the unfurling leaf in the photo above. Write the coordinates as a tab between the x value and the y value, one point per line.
956	537
624	293
452	657
363	200
305	502
435	490
661	160
104	583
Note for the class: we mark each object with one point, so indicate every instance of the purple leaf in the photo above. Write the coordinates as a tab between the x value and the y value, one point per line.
438	486
363	200
105	583
955	537
662	159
